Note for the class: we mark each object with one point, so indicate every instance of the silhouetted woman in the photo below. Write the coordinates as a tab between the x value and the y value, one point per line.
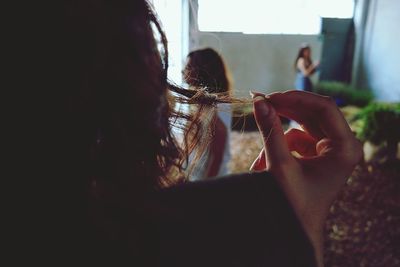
205	70
304	69
116	182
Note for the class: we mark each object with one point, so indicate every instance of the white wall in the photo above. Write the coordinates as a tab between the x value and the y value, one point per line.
258	61
378	54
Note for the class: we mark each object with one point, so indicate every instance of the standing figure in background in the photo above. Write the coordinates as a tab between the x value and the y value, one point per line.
304	68
205	68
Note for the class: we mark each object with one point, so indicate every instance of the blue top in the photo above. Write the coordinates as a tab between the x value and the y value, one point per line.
303	82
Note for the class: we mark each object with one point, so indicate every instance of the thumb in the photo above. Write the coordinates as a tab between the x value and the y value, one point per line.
270	127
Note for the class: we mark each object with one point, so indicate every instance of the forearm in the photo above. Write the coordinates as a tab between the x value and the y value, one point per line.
310	70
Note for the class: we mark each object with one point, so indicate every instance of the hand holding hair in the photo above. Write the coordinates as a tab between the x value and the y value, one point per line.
327	153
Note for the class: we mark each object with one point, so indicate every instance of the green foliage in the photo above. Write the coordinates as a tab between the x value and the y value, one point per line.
344	94
379	123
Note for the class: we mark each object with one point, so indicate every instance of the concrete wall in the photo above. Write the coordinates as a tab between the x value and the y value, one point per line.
257	61
377	61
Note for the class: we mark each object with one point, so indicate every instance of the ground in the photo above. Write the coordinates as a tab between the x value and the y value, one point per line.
363	228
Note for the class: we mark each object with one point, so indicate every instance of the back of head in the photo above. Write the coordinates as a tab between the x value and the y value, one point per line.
206	68
115	81
301	53
110	133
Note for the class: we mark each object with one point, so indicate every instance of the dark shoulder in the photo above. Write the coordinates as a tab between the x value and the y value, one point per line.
238	220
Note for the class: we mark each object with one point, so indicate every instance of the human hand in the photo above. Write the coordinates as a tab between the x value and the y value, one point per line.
326	153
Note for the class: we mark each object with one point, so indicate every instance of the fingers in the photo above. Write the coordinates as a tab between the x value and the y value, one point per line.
317	114
276	149
260	163
297	140
301	142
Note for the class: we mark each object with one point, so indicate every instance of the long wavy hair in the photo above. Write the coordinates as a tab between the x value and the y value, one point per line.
205	68
118	91
300	54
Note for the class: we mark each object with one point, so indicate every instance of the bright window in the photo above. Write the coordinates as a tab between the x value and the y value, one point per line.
170	15
173	15
270	16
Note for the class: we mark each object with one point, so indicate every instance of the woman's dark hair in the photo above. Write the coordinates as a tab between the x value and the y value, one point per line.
300	54
117	90
205	68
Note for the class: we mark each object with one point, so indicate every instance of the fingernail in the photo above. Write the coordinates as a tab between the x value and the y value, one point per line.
253	94
261	105
258	98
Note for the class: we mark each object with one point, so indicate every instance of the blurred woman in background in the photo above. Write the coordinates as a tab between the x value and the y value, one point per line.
304	69
205	70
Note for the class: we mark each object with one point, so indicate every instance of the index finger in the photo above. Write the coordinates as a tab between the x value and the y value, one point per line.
319	114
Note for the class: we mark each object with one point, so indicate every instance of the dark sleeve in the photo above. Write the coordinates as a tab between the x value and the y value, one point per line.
242	220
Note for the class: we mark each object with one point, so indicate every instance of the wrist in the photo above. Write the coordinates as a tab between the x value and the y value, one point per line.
317	241
314	229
